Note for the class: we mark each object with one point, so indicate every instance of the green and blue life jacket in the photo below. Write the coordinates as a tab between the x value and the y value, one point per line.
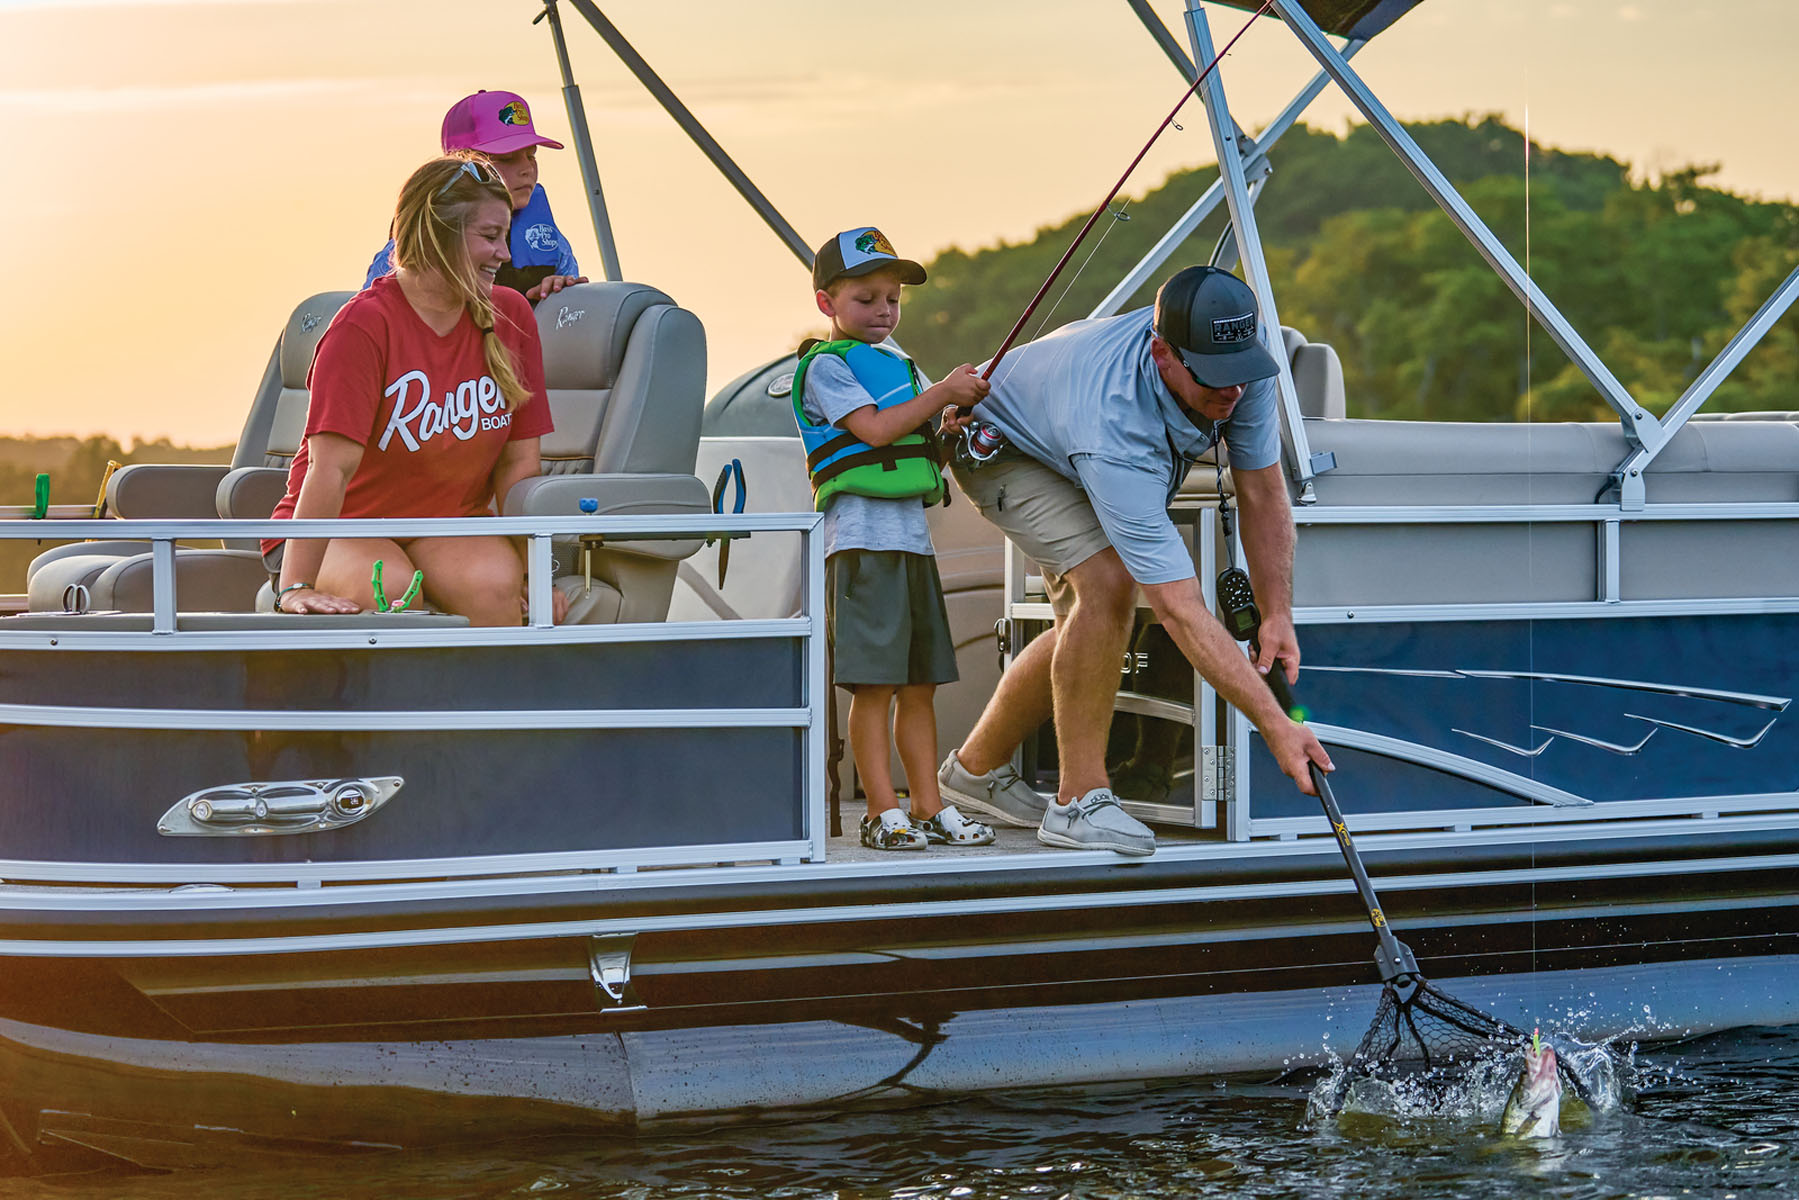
840	462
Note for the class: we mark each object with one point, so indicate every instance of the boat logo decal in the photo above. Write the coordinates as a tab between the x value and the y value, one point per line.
1227	331
781	385
310	321
566	316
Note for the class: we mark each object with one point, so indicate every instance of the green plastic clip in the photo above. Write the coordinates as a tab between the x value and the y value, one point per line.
41	505
406	597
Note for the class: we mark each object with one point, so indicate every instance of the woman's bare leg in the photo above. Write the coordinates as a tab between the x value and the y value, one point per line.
482	578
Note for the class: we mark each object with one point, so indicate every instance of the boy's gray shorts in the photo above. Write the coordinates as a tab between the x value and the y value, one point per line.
1045	514
889	626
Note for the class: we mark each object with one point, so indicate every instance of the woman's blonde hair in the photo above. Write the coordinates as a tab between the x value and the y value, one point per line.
436	205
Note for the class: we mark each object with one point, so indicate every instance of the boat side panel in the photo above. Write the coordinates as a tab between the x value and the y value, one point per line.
1690	706
88	796
711	673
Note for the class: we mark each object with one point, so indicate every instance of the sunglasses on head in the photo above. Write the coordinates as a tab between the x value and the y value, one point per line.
475	171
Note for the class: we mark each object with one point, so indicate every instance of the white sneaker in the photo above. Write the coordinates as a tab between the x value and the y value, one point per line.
1095	822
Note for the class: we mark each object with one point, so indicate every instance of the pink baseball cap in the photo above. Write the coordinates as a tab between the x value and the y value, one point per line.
493	123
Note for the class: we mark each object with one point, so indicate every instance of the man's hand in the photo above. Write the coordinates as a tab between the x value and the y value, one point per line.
1278	641
1296	748
954	420
551	284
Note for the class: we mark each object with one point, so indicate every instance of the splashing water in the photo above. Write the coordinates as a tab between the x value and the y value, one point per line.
1471	1091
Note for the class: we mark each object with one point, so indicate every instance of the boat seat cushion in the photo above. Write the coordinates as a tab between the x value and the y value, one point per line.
1431	462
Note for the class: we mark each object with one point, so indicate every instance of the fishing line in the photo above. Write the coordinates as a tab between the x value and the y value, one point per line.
1116	188
1118	218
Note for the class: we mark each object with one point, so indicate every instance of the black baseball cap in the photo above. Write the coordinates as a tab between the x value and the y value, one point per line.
1209	317
859	252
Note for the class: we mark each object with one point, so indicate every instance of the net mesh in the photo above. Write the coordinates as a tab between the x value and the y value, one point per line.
1425	1034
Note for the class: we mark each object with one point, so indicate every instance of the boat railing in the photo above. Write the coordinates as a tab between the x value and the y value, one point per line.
665	704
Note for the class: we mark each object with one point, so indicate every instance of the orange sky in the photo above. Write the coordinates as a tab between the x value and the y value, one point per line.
180	174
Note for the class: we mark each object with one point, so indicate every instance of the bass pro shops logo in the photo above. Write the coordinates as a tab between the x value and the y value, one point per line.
873	241
1228	331
473	406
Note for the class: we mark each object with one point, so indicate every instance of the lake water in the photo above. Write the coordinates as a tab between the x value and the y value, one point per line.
1715	1117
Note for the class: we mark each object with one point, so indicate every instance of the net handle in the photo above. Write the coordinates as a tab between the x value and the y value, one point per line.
1395	959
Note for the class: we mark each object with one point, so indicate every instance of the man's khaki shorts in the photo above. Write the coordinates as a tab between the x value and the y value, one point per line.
1045	514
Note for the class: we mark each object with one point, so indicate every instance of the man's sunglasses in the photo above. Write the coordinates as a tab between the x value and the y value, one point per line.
475	171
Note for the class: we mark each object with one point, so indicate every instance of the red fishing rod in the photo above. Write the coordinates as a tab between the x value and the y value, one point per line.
1107	202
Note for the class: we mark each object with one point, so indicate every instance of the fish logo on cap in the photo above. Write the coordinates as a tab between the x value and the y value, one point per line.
515	114
875	242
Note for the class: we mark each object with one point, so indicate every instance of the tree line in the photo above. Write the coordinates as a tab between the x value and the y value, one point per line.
1656	274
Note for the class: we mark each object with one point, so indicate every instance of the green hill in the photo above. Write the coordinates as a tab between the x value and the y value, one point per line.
1655	274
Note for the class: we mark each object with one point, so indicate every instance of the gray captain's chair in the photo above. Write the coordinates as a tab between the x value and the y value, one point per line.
625	369
116	575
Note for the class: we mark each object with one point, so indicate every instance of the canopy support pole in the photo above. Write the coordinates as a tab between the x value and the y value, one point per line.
1701	389
691	126
577	122
1226	140
1255	168
1641	430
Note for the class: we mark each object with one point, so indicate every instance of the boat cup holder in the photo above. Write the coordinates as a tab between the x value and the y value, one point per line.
277	807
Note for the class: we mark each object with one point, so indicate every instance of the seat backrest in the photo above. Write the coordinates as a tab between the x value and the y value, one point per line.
625	369
277	420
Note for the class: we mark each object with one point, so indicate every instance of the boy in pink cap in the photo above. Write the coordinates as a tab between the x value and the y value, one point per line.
498	125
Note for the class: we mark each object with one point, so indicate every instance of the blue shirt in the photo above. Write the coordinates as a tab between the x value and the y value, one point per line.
535	241
1088	402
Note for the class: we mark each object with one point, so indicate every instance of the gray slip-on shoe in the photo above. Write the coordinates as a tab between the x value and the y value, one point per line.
999	794
1095	822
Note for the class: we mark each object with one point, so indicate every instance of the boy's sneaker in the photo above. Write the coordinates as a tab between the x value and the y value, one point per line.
951	828
1095	822
999	794
891	831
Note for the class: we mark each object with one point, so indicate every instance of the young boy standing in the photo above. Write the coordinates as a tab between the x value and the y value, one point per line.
871	452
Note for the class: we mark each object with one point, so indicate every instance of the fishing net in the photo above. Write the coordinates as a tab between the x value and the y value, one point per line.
1432	1040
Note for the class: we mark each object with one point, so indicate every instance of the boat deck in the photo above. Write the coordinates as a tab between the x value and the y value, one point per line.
847	848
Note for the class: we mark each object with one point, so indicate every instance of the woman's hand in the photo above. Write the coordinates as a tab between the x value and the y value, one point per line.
311	600
558	606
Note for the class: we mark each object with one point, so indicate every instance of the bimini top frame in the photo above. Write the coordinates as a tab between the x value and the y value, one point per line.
1243	168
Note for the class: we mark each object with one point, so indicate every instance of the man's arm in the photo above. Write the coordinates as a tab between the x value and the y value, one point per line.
1268	545
1180	607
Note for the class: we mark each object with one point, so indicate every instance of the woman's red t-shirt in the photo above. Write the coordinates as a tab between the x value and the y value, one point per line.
430	419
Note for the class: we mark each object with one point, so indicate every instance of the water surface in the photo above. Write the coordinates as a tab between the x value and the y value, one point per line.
1715	1117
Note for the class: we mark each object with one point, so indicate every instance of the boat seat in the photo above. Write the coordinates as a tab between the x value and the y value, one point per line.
625	370
116	574
1440	462
1424	465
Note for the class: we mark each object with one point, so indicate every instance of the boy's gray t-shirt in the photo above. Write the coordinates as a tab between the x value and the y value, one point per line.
831	393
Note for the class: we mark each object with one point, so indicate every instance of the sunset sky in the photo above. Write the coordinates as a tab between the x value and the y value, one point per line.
180	173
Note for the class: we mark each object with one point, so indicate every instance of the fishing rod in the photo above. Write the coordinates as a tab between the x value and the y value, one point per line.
1116	188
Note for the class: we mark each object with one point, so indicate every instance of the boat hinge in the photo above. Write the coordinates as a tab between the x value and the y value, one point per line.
1217	778
609	962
